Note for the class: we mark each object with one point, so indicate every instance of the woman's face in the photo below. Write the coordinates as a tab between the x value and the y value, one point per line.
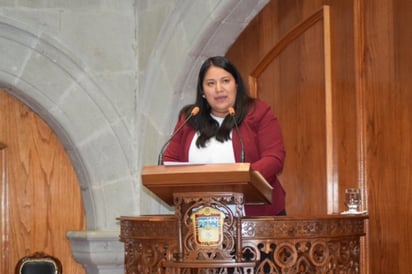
220	89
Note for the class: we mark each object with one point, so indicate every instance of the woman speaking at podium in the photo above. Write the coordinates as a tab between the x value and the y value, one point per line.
227	125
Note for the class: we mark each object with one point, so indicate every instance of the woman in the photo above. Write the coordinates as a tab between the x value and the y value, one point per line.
208	137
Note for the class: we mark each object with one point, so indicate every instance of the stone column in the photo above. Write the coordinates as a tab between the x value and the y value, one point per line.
99	252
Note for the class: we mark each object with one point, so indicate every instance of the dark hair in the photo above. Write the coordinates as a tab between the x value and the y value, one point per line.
203	122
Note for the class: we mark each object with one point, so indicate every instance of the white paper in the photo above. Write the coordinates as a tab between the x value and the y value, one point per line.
169	163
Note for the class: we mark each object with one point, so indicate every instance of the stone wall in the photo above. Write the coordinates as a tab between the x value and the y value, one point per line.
109	76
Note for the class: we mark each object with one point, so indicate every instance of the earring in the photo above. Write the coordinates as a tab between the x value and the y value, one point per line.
203	96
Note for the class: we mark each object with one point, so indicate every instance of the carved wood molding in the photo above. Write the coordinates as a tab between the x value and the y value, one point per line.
329	244
150	227
266	227
221	229
305	255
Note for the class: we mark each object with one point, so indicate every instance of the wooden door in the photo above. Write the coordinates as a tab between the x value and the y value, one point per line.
367	115
40	194
287	57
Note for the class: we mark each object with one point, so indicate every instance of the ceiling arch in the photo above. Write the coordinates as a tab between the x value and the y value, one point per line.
51	80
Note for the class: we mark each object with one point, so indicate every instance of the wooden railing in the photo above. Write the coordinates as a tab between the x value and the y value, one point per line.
323	244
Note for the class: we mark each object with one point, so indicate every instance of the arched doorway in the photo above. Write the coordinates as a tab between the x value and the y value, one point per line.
40	194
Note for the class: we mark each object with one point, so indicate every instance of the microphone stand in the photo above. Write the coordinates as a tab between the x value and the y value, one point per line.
194	112
242	152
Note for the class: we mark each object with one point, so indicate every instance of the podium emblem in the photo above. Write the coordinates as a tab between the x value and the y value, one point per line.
208	226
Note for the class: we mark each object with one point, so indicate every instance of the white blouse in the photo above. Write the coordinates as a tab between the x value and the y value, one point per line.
215	152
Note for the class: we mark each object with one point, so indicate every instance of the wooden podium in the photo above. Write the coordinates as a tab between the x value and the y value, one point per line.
206	236
209	229
164	181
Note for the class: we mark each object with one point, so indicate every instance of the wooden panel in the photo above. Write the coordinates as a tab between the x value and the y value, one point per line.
290	76
298	99
371	63
44	199
386	67
347	136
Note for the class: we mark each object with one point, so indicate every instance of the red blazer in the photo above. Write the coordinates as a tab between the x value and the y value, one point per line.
264	149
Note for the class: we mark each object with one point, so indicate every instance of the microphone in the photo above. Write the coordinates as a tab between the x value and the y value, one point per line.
194	112
242	153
